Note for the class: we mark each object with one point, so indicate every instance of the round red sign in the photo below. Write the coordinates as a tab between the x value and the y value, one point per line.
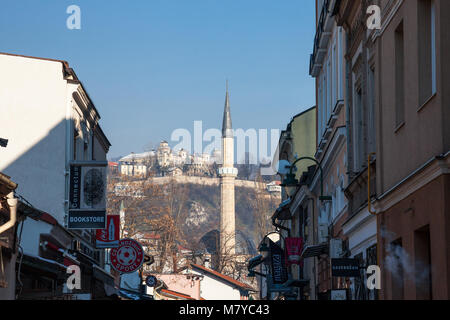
128	257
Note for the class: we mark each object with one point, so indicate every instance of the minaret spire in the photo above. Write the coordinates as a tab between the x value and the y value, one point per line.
227	128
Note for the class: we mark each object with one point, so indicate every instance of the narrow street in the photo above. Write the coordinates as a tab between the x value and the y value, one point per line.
248	153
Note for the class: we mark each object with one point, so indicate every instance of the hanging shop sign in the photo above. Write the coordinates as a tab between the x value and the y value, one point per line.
294	247
127	257
87	195
279	270
86	219
348	268
109	237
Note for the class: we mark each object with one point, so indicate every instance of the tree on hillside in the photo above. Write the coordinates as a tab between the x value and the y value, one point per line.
263	204
154	209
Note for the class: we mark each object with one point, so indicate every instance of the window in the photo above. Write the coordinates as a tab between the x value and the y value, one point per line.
422	264
75	142
334	76
371	112
92	147
319	112
85	150
399	77
360	289
330	94
358	130
396	260
340	64
324	103
427	50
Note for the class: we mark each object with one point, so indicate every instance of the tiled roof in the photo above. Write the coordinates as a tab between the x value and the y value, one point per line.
224	277
176	294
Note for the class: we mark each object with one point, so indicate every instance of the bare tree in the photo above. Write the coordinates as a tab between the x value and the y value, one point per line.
152	208
264	205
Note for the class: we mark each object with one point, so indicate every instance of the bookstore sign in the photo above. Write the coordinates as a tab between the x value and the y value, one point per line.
347	268
87	195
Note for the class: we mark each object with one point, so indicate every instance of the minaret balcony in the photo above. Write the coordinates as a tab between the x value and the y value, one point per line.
228	171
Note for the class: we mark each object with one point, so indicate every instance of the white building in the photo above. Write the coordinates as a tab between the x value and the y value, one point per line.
137	164
50	122
164	154
274	187
216	286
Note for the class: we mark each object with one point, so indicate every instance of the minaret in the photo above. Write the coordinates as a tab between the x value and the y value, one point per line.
228	174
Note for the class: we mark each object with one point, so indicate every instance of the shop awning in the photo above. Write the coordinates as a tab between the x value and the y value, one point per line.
300	283
43	266
133	295
111	290
314	251
102	275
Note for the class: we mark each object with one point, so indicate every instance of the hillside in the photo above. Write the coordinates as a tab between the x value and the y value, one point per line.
198	207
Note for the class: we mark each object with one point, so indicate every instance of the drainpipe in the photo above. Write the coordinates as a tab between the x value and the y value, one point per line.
12	203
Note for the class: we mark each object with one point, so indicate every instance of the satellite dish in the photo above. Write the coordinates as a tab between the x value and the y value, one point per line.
284	167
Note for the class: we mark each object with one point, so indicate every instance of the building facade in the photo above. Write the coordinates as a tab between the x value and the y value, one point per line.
51	123
413	135
360	228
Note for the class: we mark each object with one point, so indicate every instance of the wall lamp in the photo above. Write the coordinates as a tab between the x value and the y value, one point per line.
291	181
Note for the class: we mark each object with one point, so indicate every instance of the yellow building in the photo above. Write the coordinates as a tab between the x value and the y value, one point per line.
299	140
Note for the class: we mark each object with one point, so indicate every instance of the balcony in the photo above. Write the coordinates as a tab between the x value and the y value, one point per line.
323	35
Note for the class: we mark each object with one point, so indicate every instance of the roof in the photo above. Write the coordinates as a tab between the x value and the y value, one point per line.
302	113
228	279
65	63
135	156
176	294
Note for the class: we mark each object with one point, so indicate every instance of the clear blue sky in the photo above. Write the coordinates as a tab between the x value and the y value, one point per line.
157	65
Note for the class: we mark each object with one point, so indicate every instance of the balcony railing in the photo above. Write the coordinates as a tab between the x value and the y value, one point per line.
319	33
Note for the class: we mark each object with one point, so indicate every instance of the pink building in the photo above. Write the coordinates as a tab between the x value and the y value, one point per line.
187	284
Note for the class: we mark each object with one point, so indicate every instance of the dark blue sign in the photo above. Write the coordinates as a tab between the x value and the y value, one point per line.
92	219
150	281
279	270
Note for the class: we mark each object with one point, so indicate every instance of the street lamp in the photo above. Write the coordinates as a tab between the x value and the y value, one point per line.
291	182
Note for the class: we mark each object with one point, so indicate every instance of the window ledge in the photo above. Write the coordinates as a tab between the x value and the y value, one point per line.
426	102
399	127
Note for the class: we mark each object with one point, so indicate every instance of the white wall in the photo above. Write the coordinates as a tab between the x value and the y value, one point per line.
213	289
33	110
31	233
